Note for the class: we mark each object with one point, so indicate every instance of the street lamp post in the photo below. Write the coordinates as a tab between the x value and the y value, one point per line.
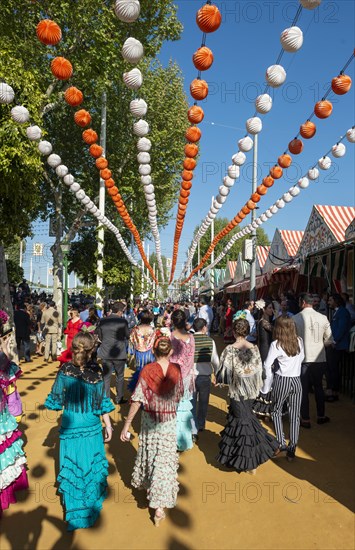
65	246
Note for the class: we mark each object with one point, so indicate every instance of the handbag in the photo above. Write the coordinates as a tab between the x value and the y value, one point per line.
14	403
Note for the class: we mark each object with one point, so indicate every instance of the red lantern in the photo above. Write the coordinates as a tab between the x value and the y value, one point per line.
195	114
193	134
48	32
73	96
284	161
82	118
308	129
202	58
323	109
199	89
276	173
61	68
90	136
208	18
341	84
191	150
295	146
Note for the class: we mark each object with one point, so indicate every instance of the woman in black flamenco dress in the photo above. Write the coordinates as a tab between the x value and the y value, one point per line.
245	443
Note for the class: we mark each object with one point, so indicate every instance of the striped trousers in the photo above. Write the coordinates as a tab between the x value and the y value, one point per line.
289	390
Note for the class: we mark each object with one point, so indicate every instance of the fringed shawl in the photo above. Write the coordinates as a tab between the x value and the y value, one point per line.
159	394
183	355
241	370
77	390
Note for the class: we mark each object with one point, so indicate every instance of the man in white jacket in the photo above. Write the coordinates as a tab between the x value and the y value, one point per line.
314	329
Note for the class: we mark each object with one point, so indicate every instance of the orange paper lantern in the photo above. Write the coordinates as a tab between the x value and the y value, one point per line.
193	134
82	118
184	193
255	197
237	218
308	129
189	164
191	150
199	89
208	18
101	163
295	146
323	109
268	181
341	84
276	173
284	161
187	175
112	190
61	68
195	114
202	58
186	185
109	182
105	174
246	210
73	96
262	189
251	204
90	136
48	32
95	150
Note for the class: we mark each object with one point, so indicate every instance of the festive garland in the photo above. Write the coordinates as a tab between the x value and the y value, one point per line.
208	19
338	150
340	85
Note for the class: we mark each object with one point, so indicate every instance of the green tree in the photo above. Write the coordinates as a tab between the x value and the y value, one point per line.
92	40
219	224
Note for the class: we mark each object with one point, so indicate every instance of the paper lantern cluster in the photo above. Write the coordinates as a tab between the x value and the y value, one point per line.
48	33
338	150
208	19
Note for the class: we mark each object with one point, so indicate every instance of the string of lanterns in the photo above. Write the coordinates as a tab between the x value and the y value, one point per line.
208	19
132	52
324	163
21	115
340	85
291	41
49	33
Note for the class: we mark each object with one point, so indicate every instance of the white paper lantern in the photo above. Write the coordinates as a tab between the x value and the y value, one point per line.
80	194
211	215
144	169
273	209
239	158
245	144
221	199
217	204
86	200
132	50
223	190
89	206
74	187
303	183
138	107
263	103
310	4
20	114
144	144
291	39
146	180
214	209
338	150
228	181
264	217
268	213
313	173
6	93
133	79
68	179
287	197
280	203
61	170
294	191
324	163
233	171
254	125
97	213
141	128
275	76
254	224
143	158
44	147
127	10
54	160
350	135
33	132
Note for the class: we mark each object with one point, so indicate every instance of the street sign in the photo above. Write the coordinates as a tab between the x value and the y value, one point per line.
37	249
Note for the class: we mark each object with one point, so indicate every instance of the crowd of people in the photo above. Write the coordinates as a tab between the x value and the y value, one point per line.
277	352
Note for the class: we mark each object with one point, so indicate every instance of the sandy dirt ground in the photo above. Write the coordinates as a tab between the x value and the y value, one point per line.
307	504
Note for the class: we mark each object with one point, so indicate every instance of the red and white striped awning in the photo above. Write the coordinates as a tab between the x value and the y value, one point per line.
337	218
291	240
262	252
232	264
244	286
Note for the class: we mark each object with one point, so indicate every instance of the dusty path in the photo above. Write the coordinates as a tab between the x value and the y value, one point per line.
307	504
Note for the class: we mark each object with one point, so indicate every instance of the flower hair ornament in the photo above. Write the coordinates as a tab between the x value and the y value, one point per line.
158	337
241	314
260	304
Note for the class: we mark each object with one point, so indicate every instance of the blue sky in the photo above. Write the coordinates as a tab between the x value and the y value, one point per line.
247	42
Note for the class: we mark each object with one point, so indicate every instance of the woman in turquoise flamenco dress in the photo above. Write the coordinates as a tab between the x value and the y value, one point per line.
83	467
